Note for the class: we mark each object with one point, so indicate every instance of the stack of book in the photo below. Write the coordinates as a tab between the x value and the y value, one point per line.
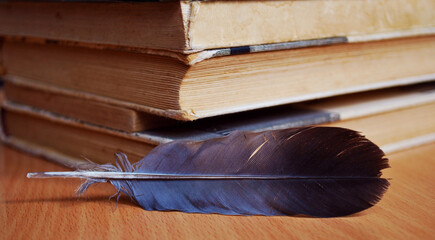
89	79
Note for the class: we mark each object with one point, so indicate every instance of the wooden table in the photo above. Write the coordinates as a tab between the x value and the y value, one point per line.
48	209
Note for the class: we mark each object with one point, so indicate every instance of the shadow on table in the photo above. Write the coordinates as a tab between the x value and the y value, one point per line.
71	201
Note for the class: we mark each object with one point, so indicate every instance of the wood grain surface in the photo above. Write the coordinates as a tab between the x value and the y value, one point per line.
48	209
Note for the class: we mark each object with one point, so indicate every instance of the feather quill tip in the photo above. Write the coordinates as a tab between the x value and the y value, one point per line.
38	175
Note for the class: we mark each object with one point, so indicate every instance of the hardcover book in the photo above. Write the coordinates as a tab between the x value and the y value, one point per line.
192	25
184	88
393	118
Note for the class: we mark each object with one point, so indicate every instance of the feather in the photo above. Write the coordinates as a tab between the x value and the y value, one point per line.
313	171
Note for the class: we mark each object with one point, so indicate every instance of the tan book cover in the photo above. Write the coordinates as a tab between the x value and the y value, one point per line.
72	104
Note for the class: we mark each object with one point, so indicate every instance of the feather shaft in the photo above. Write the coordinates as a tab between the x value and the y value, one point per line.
146	176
